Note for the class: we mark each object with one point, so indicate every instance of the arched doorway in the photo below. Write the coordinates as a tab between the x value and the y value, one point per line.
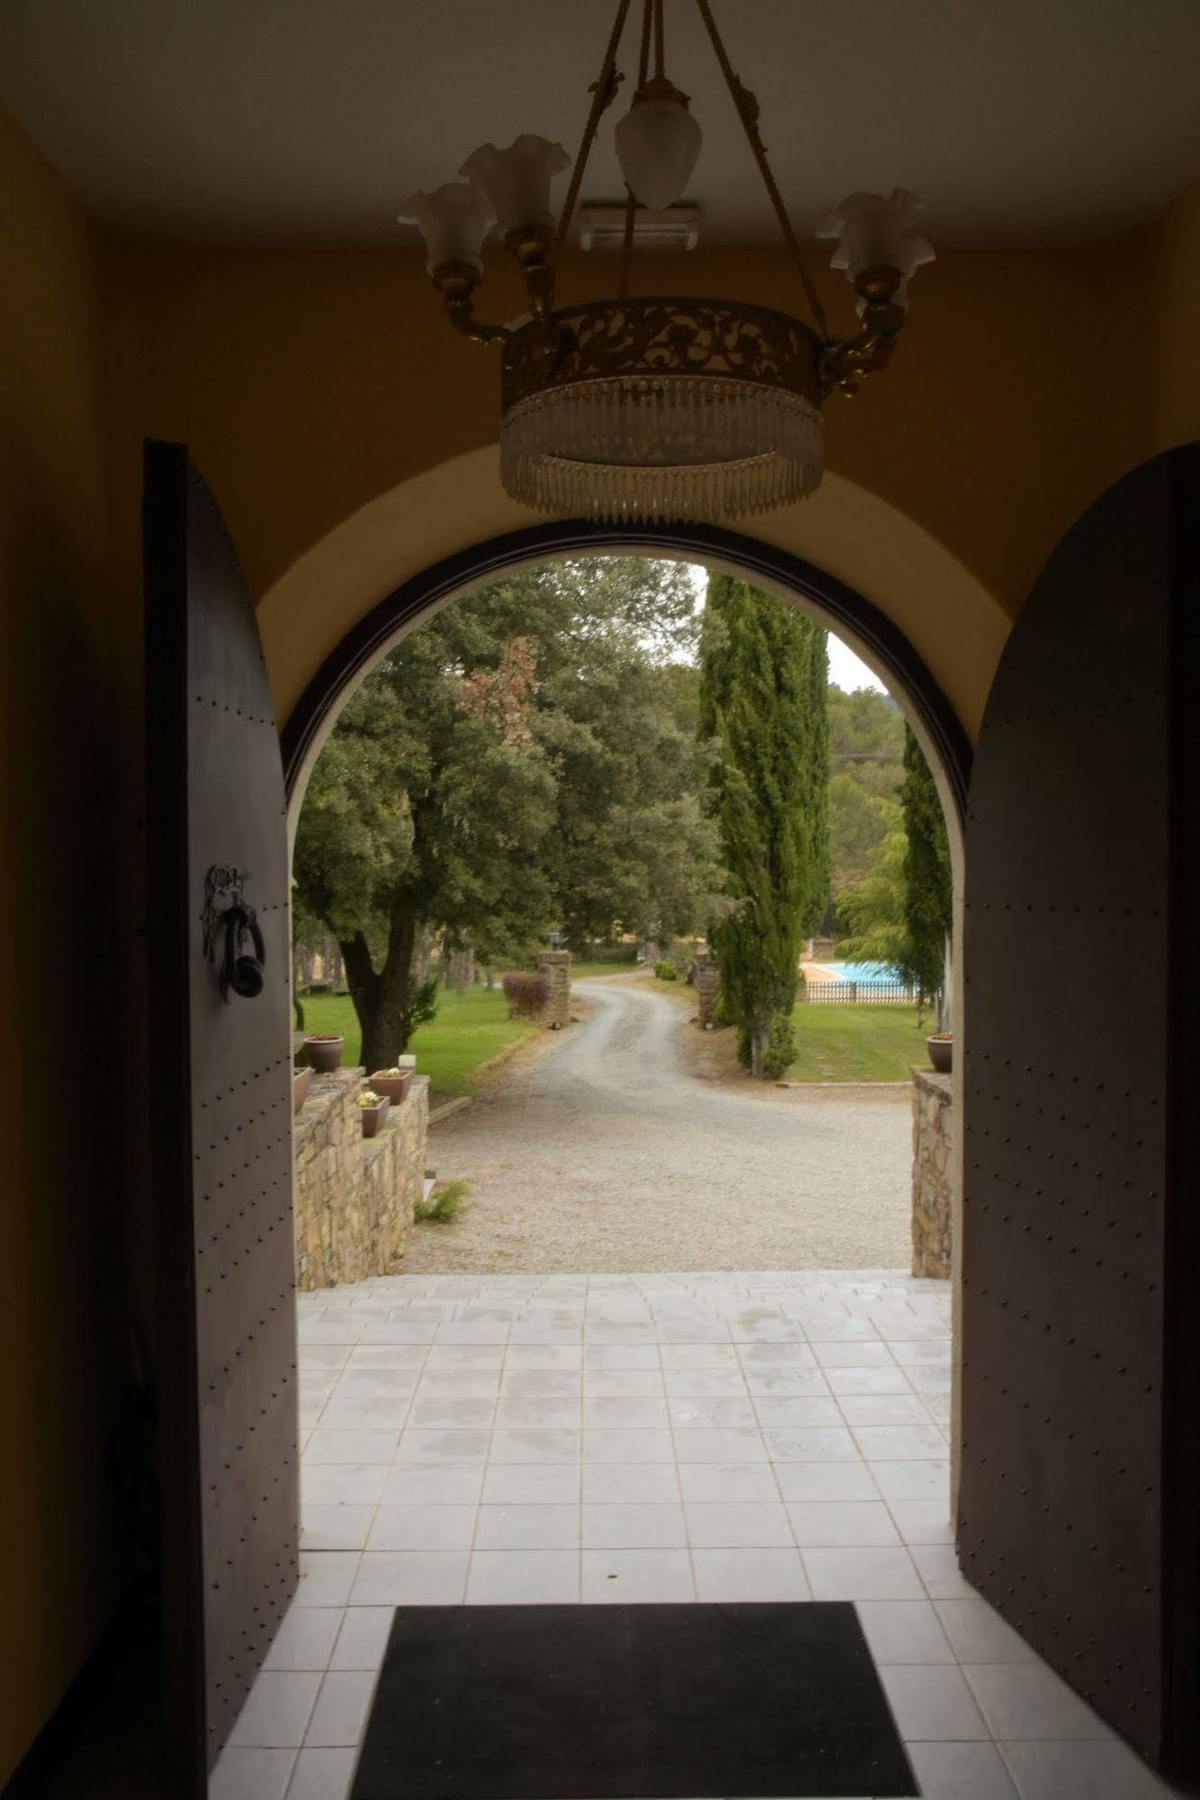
1135	553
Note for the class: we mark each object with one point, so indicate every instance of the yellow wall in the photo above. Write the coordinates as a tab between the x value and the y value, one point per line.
60	1304
1174	270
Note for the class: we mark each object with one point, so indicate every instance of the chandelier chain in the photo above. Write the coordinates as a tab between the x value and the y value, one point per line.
747	111
603	94
660	55
648	8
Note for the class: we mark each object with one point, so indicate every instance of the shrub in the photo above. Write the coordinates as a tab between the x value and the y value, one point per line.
665	970
781	1047
526	993
744	1053
721	1012
443	1205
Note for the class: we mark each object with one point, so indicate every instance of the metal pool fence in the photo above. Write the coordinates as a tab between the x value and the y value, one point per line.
875	993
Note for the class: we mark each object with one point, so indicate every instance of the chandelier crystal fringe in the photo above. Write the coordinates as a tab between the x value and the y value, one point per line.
654	409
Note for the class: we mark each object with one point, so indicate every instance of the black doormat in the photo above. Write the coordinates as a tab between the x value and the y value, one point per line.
629	1703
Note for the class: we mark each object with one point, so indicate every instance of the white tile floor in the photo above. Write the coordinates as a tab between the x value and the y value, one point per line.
675	1438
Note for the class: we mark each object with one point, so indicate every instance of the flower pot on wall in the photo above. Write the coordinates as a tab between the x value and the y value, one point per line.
301	1082
324	1052
941	1053
394	1083
373	1117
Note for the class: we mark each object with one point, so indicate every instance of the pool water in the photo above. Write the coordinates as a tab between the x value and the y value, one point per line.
869	974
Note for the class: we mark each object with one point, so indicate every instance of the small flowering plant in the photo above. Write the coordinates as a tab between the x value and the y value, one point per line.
369	1098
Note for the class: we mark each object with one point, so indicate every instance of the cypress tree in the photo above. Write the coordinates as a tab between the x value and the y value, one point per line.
763	706
927	885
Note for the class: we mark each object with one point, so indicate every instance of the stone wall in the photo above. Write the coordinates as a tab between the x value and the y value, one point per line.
355	1196
933	1125
556	967
708	986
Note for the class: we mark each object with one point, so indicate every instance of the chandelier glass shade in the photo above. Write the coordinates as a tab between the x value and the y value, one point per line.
660	408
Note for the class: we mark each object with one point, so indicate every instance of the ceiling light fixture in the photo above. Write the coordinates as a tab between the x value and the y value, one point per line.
661	408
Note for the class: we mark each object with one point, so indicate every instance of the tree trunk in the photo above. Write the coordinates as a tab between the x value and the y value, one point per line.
362	982
297	984
758	1050
380	998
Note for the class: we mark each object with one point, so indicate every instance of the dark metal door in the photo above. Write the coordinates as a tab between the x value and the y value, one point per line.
220	1094
1077	1511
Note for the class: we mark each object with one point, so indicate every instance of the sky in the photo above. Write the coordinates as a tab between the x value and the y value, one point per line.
849	671
846	670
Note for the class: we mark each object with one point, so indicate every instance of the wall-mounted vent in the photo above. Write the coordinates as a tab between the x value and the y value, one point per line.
602	227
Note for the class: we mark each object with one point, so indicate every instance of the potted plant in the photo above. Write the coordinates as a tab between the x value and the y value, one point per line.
394	1083
372	1110
324	1050
940	1045
301	1082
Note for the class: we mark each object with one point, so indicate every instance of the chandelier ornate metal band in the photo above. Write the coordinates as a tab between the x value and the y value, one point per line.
659	408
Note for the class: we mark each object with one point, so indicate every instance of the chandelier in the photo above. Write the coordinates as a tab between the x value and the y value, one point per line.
659	409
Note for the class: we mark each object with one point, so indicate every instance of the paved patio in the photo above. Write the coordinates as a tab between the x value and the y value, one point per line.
660	1437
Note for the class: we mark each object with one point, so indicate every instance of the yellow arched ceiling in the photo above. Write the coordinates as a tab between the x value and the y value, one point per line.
955	625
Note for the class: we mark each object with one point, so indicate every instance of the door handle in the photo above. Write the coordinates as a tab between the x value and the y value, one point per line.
232	934
245	954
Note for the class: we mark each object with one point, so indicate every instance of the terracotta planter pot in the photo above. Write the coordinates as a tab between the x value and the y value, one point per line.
941	1053
301	1082
394	1086
373	1117
324	1053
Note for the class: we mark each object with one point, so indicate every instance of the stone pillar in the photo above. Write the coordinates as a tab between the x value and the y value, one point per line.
933	1122
708	983
462	969
555	965
650	952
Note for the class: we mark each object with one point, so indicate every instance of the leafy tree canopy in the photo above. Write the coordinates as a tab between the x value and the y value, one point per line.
762	705
899	913
522	760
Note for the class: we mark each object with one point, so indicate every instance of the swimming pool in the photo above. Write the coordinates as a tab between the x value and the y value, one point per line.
868	974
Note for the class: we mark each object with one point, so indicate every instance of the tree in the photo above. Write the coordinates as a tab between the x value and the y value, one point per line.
517	763
762	705
899	914
866	748
928	903
420	814
871	920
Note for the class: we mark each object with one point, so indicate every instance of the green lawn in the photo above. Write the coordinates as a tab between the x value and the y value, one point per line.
849	1042
469	1030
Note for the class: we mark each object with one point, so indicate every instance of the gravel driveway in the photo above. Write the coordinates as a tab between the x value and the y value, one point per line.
603	1152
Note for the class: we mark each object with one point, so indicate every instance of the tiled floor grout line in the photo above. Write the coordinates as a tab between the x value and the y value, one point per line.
683	1511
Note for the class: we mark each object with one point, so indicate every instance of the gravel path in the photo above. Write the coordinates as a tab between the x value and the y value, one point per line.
605	1153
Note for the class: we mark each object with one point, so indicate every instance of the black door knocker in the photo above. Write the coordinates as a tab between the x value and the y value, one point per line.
233	938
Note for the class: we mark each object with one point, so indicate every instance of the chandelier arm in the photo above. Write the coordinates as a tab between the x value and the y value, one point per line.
847	361
456	283
603	94
747	111
644	50
627	243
